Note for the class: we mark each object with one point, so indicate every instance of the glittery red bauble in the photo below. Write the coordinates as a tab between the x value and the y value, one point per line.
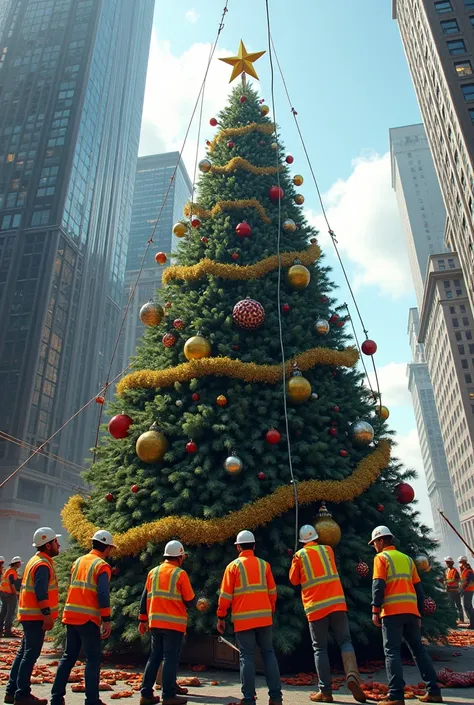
343	453
243	229
100	400
204	240
261	475
289	159
235	256
404	493
369	347
333	431
273	436
178	323
340	323
324	299
230	144
334	318
168	340
243	98
380	507
276	193
235	347
336	408
119	425
285	308
109	497
362	569
160	257
191	447
248	314
213	122
195	222
195	396
429	606
134	488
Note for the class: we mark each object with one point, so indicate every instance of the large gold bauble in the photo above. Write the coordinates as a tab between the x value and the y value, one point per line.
151	446
362	433
329	531
299	199
205	165
298	276
151	314
298	389
197	347
289	225
383	412
422	564
203	604
264	110
321	326
298	180
179	229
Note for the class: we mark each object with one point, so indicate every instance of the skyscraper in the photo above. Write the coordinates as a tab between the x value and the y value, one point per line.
423	219
152	181
72	78
438	38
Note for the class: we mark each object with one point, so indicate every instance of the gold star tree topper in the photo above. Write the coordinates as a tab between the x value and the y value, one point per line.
243	62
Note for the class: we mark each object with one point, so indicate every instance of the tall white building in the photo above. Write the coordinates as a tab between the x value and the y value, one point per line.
423	218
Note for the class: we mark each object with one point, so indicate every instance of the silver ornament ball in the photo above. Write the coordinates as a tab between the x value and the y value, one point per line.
233	465
362	433
205	165
178	402
314	395
322	327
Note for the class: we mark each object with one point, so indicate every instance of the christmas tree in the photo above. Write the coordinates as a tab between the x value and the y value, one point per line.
199	446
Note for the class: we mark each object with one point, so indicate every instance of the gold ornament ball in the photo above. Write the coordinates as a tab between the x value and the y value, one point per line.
274	145
151	314
197	347
289	226
321	326
299	199
423	564
329	531
205	165
203	604
151	446
264	110
298	276
179	229
362	433
233	465
383	412
298	389
298	180
221	400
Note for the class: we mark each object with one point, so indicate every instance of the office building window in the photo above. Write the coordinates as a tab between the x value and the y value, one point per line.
468	91
463	68
469	4
471	114
449	26
468	379
40	217
443	6
456	47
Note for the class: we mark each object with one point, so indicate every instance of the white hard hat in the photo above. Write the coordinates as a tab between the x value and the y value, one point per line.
174	549
43	536
244	537
379	532
308	533
462	559
104	537
16	559
449	559
2	559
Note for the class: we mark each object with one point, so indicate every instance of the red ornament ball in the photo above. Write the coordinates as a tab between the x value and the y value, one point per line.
262	143
404	493
243	98
340	323
195	396
168	340
324	299
195	222
289	159
429	606
343	453
204	240
115	571
261	475
273	436
369	347
276	193
109	497
336	408
134	489
119	425
333	431
289	551
231	144
235	256
243	229
362	569
213	122
191	447
380	507
286	308
334	318
248	314
160	258
178	323
235	347
100	400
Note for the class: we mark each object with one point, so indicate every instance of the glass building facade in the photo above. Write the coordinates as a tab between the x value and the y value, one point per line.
72	79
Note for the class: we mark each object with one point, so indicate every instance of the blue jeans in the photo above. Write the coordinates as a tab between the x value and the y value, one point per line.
7	613
395	629
19	683
319	631
166	647
247	640
88	636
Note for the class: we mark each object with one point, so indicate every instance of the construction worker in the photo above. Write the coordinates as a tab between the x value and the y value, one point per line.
314	568
451	583
37	610
467	587
397	604
87	618
249	589
163	610
9	589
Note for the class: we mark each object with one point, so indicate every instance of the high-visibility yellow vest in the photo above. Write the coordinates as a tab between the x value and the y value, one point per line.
82	604
6	585
29	609
400	595
321	588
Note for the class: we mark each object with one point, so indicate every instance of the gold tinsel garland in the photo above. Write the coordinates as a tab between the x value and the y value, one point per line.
236	369
221	206
195	532
236	272
267	128
241	163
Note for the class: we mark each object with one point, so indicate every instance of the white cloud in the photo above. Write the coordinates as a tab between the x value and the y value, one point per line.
192	16
362	211
408	452
172	87
393	384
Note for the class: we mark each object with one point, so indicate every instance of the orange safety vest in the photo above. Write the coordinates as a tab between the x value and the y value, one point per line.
167	588
6	585
29	609
82	603
451	580
400	575
314	568
249	588
467	578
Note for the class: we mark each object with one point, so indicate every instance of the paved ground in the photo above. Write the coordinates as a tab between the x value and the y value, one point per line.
222	687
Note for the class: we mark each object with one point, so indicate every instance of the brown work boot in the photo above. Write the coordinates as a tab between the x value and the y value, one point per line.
30	700
429	698
175	700
154	700
356	690
180	690
321	697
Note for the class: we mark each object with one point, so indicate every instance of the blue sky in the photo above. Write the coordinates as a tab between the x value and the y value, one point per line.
347	76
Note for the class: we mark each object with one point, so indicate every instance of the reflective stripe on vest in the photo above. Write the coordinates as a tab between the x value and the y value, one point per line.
248	588
157	613
400	596
6	586
28	607
333	592
82	602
